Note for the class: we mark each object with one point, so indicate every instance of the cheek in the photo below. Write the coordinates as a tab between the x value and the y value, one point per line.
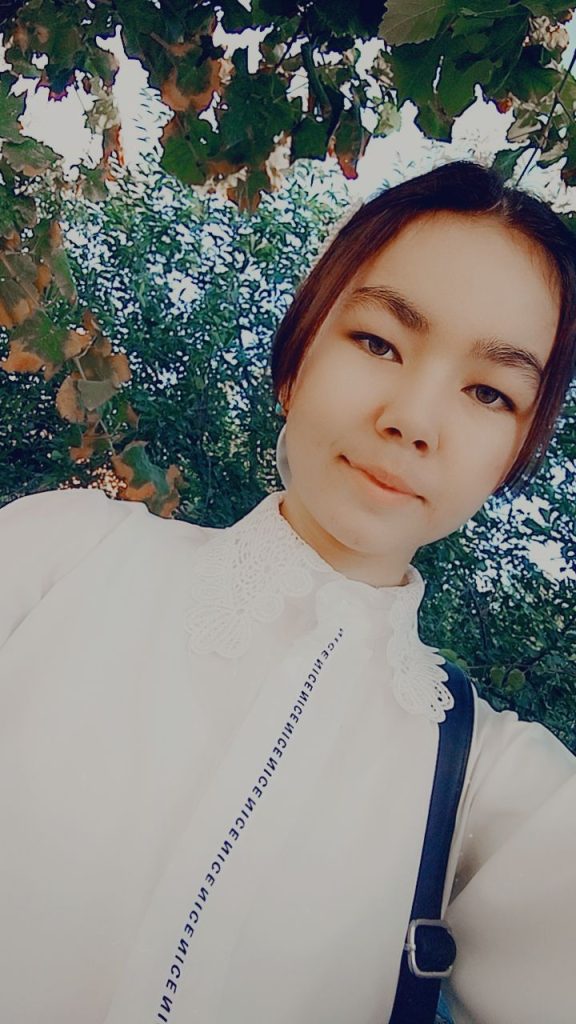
333	378
320	404
490	448
503	456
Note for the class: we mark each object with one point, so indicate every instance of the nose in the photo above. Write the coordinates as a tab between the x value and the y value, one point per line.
413	415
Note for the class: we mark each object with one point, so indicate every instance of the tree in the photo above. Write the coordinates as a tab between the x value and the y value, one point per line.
194	289
234	127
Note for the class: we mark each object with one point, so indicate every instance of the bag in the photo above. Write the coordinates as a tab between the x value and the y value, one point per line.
430	950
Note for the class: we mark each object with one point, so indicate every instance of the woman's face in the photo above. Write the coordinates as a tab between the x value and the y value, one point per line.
415	394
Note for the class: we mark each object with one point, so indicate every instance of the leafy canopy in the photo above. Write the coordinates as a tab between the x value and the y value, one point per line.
235	129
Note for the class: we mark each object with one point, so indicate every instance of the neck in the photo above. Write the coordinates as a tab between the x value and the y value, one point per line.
373	568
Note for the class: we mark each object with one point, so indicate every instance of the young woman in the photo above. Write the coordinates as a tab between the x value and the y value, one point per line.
215	810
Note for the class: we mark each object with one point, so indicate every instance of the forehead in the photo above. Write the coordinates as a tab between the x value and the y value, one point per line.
472	274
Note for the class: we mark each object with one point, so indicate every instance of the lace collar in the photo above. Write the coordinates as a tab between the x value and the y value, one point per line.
244	573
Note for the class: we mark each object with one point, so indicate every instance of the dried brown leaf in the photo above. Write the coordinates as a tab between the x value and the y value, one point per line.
86	449
132	416
171	95
173	127
12	241
75	343
201	100
55	235
68	401
90	323
43	277
121	372
22	309
21	36
20	360
5	317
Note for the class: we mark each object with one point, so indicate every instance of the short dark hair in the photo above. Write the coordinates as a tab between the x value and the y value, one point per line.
461	186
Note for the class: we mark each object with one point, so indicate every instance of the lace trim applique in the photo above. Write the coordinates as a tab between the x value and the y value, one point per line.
418	676
415	668
244	574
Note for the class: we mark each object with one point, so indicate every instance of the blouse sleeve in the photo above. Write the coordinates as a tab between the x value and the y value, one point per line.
43	537
513	903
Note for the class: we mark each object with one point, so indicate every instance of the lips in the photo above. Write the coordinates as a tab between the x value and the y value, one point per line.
390	480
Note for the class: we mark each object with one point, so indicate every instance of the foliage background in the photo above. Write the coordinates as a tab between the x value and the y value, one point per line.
177	409
193	289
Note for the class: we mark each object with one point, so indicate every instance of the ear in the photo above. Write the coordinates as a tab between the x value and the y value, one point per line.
283	399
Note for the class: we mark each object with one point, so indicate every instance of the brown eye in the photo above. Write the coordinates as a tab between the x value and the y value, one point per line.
376	346
484	388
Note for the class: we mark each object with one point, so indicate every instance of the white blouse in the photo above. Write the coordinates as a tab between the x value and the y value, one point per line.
216	757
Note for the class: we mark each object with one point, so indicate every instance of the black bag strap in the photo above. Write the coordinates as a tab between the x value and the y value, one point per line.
430	950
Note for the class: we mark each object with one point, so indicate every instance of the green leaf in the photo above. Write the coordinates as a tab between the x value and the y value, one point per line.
456	85
102	63
350	141
184	158
463	26
476	42
258	111
46	246
434	122
414	67
568	96
16	211
20	65
11	109
95	393
490	8
157	486
494	9
40	335
92	184
248	192
309	139
506	159
504	47
235	17
516	680
192	77
448	653
547	7
259	16
532	83
30	157
12	294
413	21
60	267
345	21
497	675
19	266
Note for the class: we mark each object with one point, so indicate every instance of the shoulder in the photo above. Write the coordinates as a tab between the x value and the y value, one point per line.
503	735
517	772
62	523
515	766
43	536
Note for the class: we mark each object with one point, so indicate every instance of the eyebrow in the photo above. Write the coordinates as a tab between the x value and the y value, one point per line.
492	349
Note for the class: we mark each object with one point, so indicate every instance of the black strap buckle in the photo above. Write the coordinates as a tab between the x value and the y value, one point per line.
430	947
